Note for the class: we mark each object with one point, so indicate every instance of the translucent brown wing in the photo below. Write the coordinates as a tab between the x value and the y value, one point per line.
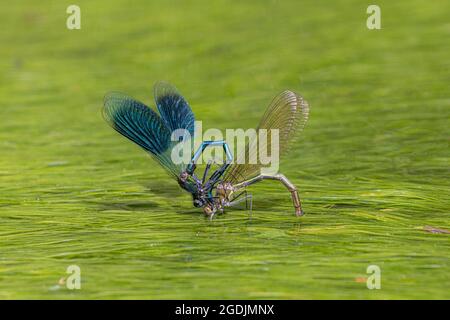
288	112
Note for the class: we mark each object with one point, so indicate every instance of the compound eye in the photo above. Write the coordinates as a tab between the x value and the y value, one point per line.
197	203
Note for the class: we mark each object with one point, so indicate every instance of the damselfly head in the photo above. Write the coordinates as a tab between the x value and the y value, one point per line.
208	210
198	203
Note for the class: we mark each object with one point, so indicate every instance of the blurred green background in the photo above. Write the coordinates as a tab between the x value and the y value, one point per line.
372	165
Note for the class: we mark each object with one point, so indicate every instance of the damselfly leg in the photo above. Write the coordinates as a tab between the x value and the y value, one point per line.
241	197
280	177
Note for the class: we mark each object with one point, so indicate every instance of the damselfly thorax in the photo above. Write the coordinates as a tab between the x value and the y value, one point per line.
226	186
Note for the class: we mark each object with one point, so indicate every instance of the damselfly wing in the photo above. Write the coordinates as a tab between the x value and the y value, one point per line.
287	113
148	129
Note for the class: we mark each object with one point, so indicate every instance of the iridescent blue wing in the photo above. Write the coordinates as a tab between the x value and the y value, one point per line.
141	125
173	108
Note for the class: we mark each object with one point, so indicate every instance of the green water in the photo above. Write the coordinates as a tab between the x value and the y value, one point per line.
372	165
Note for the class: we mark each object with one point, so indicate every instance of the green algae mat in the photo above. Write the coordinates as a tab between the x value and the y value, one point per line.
372	165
